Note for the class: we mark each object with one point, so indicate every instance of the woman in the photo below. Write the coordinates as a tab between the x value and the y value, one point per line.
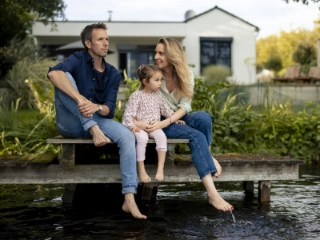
177	88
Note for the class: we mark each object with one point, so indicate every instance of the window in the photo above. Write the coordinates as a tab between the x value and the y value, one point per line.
215	51
132	56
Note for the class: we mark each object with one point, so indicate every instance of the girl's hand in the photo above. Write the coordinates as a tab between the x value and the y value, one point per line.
135	129
180	122
141	125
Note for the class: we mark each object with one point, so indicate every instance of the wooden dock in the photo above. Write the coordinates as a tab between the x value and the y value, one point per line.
47	169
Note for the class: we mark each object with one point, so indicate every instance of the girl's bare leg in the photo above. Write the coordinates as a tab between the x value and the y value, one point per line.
130	206
98	137
214	197
161	160
142	172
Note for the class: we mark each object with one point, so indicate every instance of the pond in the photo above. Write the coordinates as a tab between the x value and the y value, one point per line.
181	211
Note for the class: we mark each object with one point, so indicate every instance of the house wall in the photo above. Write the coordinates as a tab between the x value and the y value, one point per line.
220	24
214	23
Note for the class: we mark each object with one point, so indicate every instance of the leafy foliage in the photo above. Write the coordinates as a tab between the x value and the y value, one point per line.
216	73
306	2
283	46
28	135
304	53
16	16
237	128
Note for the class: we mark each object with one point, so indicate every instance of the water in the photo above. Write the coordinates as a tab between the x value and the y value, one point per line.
181	212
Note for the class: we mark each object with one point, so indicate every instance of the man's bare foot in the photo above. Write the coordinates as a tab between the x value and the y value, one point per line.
159	175
219	203
130	206
142	173
218	167
99	139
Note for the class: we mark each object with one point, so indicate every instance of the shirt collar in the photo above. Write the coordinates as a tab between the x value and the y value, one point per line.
88	57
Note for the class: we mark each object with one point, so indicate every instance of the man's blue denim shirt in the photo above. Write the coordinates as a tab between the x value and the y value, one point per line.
80	66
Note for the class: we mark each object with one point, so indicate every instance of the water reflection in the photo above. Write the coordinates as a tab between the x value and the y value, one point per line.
181	211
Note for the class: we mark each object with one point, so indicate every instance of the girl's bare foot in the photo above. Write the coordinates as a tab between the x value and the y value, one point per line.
130	206
219	203
142	173
218	167
159	175
99	139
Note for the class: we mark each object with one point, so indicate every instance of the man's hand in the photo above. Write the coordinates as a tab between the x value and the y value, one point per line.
87	108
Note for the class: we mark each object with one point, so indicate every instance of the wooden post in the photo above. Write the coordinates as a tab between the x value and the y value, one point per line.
170	154
67	160
68	195
149	190
264	191
248	186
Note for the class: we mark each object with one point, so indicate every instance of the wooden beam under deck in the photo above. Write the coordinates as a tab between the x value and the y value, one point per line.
110	173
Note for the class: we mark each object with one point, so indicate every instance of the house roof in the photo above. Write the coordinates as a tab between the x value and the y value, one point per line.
216	7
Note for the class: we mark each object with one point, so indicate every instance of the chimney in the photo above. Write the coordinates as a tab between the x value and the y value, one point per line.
109	19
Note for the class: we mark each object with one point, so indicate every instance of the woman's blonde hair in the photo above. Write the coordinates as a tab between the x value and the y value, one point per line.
176	56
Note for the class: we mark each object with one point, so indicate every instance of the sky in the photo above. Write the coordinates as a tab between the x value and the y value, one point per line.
270	16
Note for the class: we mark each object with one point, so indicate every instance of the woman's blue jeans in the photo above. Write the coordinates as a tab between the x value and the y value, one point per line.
72	124
198	130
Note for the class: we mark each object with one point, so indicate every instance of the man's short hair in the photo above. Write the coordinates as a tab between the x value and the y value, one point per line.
86	33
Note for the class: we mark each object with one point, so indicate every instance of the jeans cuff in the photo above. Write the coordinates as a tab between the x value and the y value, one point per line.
88	125
129	189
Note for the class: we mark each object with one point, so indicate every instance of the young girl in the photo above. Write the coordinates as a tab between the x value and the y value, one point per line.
147	105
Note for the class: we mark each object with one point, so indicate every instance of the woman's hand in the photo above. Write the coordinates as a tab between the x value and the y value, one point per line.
180	122
155	125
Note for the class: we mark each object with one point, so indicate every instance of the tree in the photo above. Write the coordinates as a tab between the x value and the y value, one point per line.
283	45
304	53
16	16
306	2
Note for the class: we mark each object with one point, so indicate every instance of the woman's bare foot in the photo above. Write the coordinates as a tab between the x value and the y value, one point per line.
219	203
130	206
142	173
159	175
99	139
218	167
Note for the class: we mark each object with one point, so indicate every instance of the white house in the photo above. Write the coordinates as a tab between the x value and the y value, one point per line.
212	37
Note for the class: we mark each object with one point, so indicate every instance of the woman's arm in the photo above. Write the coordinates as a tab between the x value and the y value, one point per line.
165	123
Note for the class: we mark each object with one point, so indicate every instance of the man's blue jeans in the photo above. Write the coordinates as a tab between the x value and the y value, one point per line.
72	124
198	130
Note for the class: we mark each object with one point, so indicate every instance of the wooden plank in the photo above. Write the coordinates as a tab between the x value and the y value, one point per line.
62	140
110	173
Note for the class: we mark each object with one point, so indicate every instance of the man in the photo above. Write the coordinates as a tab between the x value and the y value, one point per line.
86	89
